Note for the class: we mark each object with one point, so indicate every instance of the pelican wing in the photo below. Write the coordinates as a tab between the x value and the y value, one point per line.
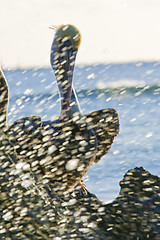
105	124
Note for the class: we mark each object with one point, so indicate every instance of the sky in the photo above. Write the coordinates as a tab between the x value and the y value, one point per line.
112	31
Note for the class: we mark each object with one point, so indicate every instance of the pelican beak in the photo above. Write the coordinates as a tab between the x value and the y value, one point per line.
63	54
67	62
63	66
66	56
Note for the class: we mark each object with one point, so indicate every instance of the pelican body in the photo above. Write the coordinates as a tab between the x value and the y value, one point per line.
62	151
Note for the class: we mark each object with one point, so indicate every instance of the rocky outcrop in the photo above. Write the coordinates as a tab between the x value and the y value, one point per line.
29	210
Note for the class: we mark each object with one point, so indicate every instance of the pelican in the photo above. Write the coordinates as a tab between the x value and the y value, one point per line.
61	152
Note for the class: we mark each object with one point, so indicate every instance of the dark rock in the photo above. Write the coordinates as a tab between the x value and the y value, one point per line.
30	211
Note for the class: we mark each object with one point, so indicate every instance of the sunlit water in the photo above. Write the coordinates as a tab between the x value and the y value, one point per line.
132	89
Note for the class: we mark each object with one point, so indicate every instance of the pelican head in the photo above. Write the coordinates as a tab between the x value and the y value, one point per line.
63	54
67	32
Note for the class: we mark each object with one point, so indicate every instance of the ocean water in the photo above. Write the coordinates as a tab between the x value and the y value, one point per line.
133	89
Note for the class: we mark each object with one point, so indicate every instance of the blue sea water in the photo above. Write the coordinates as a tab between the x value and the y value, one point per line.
133	89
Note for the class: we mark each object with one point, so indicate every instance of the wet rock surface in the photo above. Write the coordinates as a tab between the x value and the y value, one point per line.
29	210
